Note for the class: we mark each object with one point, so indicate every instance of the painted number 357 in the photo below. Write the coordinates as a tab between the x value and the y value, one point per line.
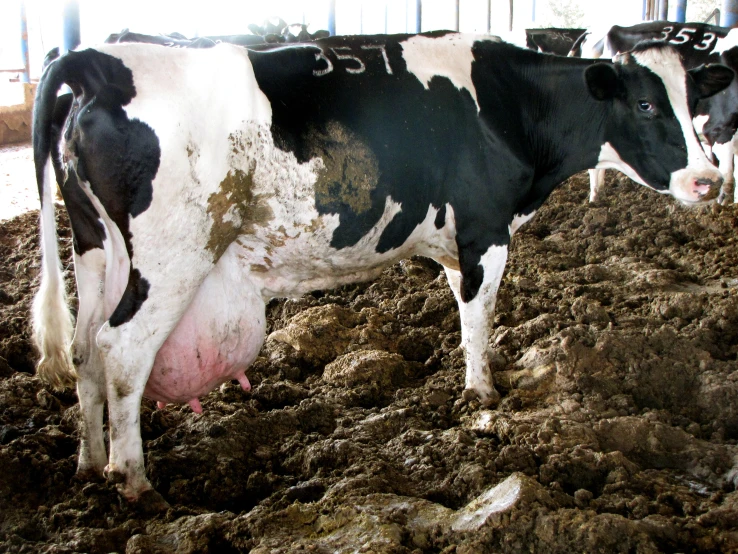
354	64
684	35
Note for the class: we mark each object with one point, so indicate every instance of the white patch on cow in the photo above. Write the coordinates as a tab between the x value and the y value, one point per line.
428	57
518	221
726	43
698	122
668	66
725	153
89	270
291	273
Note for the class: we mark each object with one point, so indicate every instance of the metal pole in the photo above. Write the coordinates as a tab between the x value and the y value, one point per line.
729	15
511	15
26	75
458	2
332	17
534	11
664	10
71	34
489	17
681	11
419	16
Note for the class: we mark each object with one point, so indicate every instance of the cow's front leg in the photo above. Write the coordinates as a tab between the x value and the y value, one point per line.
476	311
725	154
596	183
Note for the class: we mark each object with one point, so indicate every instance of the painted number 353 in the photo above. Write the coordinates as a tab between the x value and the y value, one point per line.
684	35
354	64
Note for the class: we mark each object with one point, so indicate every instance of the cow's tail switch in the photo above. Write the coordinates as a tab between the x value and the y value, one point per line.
52	319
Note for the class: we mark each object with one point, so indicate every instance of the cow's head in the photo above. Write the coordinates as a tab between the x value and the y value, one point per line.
722	109
649	134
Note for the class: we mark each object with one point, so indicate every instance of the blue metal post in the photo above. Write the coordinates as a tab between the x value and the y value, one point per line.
458	9
71	34
418	16
26	75
332	17
729	15
681	11
664	10
534	11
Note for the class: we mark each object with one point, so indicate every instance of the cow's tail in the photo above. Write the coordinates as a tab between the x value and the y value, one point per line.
52	319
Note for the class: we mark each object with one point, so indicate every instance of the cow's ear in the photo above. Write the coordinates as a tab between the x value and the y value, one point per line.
602	80
711	78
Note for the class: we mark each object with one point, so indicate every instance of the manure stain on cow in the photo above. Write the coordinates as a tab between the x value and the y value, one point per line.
122	388
350	170
235	210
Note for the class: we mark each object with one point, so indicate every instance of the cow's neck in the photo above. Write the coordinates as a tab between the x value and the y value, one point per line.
566	128
563	126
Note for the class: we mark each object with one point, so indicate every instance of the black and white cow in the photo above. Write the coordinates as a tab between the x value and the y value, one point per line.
553	40
697	43
177	40
202	183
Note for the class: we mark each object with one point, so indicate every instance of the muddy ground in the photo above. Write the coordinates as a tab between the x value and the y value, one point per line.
616	337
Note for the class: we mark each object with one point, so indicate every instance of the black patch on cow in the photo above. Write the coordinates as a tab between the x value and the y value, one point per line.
413	133
658	163
119	157
535	126
88	231
137	291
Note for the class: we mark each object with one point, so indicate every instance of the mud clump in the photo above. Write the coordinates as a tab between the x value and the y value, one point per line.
615	344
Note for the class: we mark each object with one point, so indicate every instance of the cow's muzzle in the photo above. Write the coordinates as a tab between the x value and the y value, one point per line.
707	189
695	186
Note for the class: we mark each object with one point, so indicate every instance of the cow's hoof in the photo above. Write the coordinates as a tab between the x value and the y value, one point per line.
88	474
488	398
150	502
114	475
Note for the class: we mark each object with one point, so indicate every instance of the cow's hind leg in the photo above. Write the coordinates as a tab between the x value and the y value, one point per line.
89	268
129	342
476	316
90	273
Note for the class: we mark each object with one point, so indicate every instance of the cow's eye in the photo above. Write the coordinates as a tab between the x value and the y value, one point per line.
645	106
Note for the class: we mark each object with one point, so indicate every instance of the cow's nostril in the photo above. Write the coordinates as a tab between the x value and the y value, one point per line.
705	188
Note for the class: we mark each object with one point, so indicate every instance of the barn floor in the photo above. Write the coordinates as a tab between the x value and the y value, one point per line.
18	192
616	337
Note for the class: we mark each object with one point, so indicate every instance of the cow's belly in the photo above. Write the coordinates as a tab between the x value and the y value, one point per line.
289	264
217	338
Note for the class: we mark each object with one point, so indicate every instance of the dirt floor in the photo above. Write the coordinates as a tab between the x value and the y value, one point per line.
18	191
616	337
